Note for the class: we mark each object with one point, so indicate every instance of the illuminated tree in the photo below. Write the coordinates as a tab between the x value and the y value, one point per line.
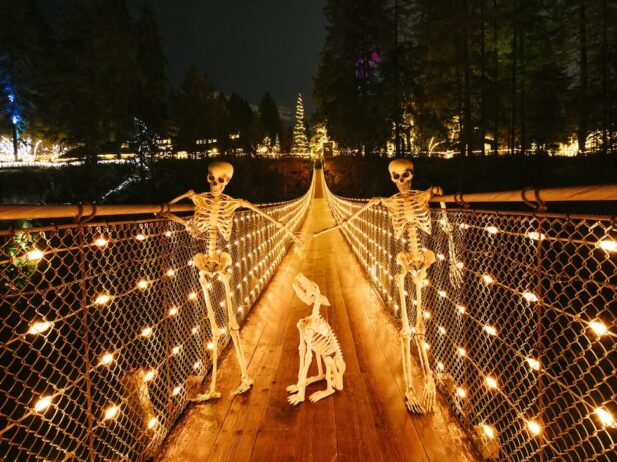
300	142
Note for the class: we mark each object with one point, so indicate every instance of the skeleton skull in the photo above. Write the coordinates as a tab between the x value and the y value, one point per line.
401	173
308	291
219	174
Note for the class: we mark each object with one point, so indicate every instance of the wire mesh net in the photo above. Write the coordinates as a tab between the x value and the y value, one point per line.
104	329
524	349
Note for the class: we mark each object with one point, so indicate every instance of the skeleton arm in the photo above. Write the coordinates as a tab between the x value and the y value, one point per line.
368	205
176	218
456	277
278	224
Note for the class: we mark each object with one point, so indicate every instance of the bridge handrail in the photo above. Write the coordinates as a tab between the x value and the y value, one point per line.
526	348
105	332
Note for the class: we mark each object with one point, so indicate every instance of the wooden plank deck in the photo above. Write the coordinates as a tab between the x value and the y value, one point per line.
367	421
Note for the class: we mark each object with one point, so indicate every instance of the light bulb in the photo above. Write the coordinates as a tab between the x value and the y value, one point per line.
490	330
35	255
173	311
461	393
101	242
107	359
534	427
39	327
42	404
111	412
488	279
102	299
488	431
148	376
140	237
142	284
175	350
171	273
605	417
152	423
176	391
530	296
598	327
607	245
534	364
146	332
491	382
492	229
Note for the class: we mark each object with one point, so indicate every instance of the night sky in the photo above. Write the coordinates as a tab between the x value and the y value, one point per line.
245	46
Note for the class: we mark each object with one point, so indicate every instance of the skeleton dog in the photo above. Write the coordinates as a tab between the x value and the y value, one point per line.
316	336
409	213
214	212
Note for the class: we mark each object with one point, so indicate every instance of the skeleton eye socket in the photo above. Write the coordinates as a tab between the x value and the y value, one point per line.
406	174
210	177
221	180
396	176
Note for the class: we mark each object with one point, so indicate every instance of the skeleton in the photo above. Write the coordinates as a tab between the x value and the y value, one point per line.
214	212
410	215
316	336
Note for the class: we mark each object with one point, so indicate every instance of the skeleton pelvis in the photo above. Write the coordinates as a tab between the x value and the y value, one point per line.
212	264
411	263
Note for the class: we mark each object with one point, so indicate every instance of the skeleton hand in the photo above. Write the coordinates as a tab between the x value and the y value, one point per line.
456	274
429	394
436	191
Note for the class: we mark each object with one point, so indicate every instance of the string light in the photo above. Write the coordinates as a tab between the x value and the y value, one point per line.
146	332
111	412
175	350
140	237
606	418
491	382
530	296
107	359
42	404
534	364
442	330
461	393
536	236
440	367
461	352
152	423
490	330
193	296
176	391
167	233
142	284
461	309
148	376
100	242
608	245
488	431
210	346
534	427
102	299
492	229
171	273
35	255
39	327
598	327
194	330
197	365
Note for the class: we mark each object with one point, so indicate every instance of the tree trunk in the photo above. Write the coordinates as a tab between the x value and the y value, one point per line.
584	77
512	140
605	98
467	123
482	79
496	82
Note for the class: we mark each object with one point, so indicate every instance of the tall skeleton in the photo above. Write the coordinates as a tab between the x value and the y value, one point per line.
316	336
214	212
410	215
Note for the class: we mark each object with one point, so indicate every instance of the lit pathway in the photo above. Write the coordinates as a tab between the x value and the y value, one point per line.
367	421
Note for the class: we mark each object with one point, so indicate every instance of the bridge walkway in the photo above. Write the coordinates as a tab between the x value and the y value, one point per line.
367	421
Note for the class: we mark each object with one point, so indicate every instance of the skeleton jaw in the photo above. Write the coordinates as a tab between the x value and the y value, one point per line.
404	188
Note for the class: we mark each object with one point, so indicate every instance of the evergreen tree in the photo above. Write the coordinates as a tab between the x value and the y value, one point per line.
300	142
269	116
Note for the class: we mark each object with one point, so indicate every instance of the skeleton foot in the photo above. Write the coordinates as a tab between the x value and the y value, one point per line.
292	388
428	395
321	394
316	378
296	399
413	405
244	386
205	397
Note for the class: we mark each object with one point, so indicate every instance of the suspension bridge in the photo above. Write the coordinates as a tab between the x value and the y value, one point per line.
104	335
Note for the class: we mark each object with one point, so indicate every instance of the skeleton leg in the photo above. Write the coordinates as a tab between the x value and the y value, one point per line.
212	394
413	405
306	356
234	333
428	395
331	372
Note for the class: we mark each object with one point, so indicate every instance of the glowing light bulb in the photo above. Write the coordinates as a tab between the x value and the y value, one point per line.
142	284
222	330
461	352
107	359
536	236
152	423
102	299
441	256
606	418
176	391
533	364
171	273
461	309
111	412
530	296
167	233
440	366
490	330
42	404
35	255
197	365
491	382
175	350
442	330
461	393
193	296
146	332
460	265
427	314
607	245
39	327
598	327
148	376
426	345
173	311
210	346
442	293
463	226
140	237
100	242
194	330
488	431
534	427
488	279
492	229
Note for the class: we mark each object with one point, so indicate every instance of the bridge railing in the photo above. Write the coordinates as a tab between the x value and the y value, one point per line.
525	349
104	329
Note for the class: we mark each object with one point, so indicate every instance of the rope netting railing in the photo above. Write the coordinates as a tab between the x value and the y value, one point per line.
104	329
525	349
